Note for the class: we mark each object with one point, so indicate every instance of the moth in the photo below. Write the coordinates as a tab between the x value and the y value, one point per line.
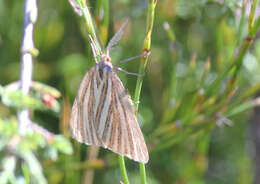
103	113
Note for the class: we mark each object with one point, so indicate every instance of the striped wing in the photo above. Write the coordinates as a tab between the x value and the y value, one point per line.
81	120
103	115
120	131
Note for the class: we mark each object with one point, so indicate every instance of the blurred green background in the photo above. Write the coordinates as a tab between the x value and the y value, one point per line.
184	115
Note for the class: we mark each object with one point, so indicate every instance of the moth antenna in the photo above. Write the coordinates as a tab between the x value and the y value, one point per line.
94	50
115	39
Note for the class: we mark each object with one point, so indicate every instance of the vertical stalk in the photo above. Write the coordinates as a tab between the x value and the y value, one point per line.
89	23
251	19
123	169
30	16
146	48
142	173
144	60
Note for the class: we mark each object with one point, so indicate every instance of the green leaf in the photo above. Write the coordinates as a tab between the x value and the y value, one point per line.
36	138
43	88
8	128
19	100
42	97
62	144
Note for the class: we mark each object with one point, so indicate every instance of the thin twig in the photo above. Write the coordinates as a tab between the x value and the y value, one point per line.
89	173
30	17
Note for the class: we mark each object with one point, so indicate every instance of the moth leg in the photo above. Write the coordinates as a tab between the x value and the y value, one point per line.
130	73
144	54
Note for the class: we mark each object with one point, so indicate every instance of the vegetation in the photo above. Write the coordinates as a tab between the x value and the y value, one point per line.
193	102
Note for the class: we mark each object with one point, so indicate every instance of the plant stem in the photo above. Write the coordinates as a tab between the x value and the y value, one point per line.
142	173
146	48
237	59
251	19
89	23
30	16
144	60
123	169
27	53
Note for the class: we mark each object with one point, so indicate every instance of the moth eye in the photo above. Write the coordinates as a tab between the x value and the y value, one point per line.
107	59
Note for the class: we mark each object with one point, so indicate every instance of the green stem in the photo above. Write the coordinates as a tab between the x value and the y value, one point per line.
251	19
123	169
146	48
89	23
142	173
236	61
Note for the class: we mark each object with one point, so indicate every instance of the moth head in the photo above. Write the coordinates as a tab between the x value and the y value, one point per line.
105	65
105	58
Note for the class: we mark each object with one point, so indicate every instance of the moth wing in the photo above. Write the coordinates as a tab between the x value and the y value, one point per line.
118	128
82	115
103	115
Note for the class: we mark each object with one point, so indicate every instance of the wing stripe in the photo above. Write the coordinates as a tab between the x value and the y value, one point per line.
78	106
105	108
78	133
125	129
81	122
107	133
96	94
86	116
90	111
100	104
109	121
120	124
129	139
114	136
111	144
74	118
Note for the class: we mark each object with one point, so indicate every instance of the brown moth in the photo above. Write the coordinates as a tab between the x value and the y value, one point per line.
103	113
